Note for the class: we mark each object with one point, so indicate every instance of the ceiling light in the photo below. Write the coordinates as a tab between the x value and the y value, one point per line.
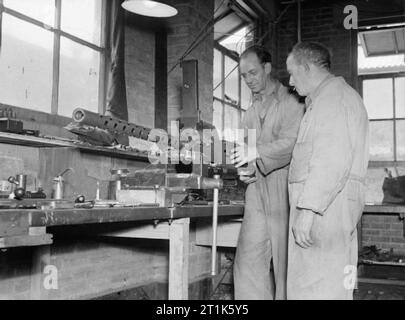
149	8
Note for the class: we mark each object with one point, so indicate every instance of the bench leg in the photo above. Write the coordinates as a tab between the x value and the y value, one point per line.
179	259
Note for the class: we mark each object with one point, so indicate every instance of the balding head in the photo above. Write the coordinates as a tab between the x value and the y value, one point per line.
315	53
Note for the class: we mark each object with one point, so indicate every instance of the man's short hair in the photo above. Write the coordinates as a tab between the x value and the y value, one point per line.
262	53
312	52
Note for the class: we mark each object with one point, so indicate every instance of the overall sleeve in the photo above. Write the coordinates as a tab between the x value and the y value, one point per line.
331	158
277	154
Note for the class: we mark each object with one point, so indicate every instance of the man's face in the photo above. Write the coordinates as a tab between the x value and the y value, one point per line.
254	73
299	76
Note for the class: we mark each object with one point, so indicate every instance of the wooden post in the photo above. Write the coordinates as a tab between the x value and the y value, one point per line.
41	257
179	259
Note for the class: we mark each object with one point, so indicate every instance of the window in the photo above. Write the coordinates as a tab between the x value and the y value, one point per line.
382	80
53	55
384	97
231	95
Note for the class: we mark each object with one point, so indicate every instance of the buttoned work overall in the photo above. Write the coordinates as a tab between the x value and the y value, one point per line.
264	233
327	175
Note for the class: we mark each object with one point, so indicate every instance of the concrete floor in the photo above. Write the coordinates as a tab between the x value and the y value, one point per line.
369	291
365	291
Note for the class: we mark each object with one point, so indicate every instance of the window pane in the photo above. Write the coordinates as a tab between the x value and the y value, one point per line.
232	81
218	116
238	40
217	74
245	96
79	78
42	10
400	97
26	65
401	140
381	141
231	123
378	98
82	18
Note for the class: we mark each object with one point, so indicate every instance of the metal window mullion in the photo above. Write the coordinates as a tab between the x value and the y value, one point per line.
395	122
56	58
25	18
42	25
1	20
223	90
385	119
80	41
229	104
240	96
104	56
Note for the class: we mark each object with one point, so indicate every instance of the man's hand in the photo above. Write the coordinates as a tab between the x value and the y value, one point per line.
247	179
243	154
302	228
250	175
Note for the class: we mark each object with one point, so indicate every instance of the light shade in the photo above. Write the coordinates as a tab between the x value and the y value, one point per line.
149	8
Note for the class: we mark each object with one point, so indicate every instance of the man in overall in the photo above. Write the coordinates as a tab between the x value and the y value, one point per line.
275	114
326	180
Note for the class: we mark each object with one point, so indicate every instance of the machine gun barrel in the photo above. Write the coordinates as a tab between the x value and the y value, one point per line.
116	126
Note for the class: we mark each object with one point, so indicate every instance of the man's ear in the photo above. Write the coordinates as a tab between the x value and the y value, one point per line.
267	68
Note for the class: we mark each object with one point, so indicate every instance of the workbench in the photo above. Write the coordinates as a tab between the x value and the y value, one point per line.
28	228
385	209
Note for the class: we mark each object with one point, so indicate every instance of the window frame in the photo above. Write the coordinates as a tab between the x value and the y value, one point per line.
394	119
58	33
225	52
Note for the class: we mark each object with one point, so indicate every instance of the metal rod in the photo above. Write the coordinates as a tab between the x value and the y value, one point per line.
299	20
214	230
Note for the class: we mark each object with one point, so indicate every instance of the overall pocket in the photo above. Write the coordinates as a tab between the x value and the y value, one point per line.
301	157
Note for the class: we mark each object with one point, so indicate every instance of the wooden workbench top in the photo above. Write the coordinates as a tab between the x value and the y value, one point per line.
63	217
384	208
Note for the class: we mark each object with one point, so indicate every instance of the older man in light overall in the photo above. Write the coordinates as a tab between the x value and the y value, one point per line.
326	180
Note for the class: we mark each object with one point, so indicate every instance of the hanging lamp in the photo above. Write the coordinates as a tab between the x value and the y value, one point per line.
149	8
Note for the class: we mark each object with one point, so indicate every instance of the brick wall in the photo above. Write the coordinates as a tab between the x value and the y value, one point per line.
140	74
183	29
387	232
322	21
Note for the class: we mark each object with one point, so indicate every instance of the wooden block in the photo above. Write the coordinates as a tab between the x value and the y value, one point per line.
25	241
227	235
13	223
160	231
36	231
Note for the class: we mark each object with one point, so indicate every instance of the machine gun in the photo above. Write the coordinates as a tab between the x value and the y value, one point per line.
187	168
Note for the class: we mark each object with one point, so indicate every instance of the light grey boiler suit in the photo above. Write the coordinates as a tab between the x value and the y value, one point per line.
327	174
264	233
